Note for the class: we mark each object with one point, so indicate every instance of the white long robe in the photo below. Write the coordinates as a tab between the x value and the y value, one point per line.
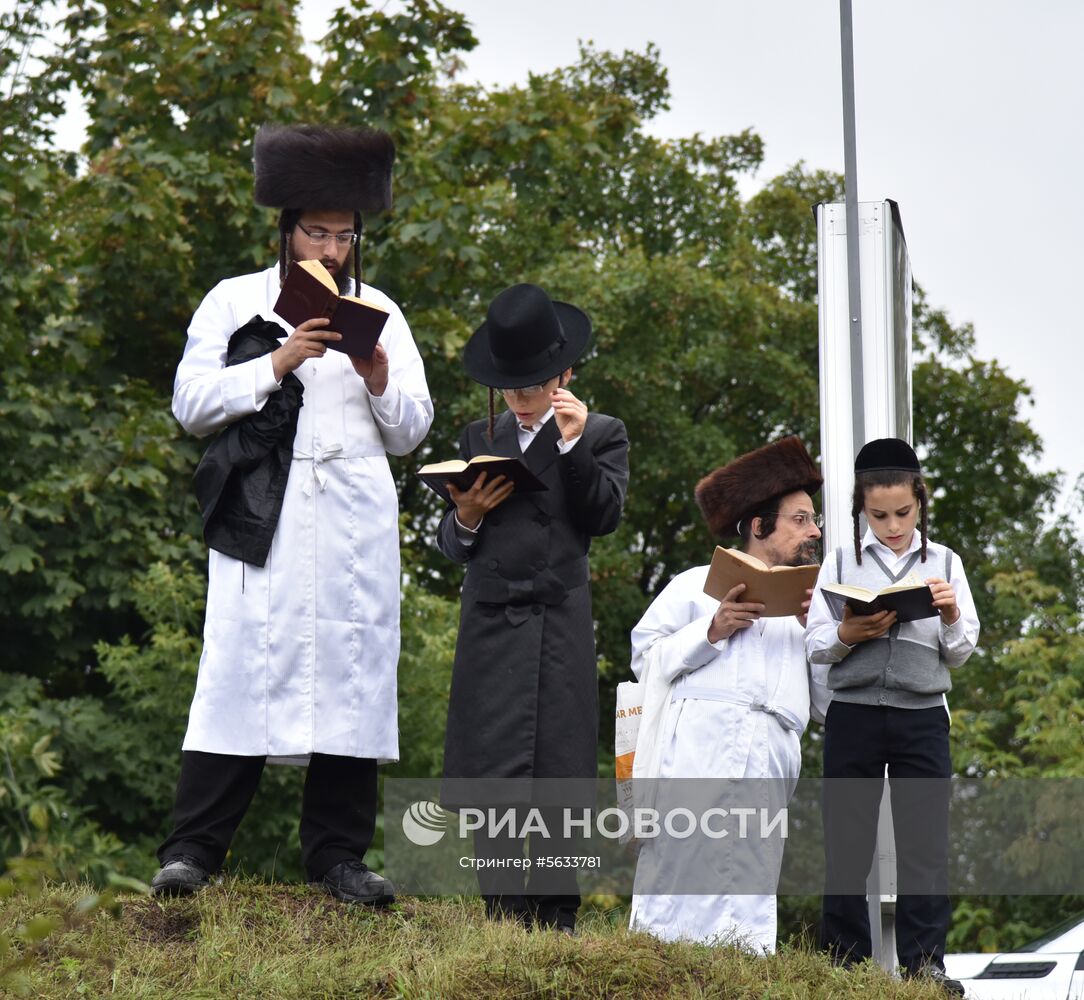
713	731
300	655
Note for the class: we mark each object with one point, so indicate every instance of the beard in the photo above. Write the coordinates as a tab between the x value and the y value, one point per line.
807	554
341	275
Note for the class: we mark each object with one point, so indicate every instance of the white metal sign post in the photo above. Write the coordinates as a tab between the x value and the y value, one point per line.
864	394
864	287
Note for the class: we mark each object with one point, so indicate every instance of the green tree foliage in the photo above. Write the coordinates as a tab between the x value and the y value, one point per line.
91	461
705	344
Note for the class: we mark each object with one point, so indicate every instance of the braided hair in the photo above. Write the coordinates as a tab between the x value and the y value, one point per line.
889	477
358	228
288	218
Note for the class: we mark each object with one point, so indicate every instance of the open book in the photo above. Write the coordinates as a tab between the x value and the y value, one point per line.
463	474
310	292
781	589
910	601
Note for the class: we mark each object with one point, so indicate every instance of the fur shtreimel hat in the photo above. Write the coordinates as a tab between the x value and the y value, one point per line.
321	167
747	485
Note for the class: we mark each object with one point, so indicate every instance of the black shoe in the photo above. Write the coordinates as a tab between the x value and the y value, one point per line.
554	918
180	876
934	974
352	882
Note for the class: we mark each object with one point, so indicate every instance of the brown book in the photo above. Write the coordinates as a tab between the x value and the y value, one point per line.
310	292
463	474
910	601
781	589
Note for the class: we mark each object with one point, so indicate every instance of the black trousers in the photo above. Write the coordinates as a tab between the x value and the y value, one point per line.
547	892
859	741
338	808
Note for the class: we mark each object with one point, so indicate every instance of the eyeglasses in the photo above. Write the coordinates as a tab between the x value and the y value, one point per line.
802	518
320	238
527	390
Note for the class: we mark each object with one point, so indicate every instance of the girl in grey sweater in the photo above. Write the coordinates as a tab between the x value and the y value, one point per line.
889	682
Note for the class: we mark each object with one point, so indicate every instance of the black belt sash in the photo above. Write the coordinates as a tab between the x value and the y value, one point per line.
549	586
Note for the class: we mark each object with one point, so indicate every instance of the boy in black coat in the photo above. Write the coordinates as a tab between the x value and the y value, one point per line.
524	697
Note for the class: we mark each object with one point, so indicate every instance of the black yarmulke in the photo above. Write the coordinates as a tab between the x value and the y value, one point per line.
887	455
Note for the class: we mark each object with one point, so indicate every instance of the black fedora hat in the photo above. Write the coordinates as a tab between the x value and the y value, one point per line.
527	338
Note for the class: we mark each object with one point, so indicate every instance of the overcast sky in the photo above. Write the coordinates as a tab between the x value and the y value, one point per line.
969	115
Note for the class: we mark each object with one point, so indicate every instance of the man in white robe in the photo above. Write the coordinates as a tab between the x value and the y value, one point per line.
300	653
738	702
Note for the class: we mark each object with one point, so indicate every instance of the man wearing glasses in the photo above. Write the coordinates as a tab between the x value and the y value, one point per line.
523	709
301	640
735	700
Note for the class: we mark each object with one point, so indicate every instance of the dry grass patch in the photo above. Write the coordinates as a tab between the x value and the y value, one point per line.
244	939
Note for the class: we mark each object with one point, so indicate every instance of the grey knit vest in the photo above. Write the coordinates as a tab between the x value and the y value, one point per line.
902	669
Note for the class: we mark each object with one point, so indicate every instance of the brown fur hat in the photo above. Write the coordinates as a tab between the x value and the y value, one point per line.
323	167
749	484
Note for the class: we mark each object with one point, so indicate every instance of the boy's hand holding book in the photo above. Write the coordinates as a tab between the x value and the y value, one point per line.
473	504
480	482
873	613
944	599
858	628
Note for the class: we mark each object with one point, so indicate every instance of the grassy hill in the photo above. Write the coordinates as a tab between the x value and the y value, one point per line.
247	939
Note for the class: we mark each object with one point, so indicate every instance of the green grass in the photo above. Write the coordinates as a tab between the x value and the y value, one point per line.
248	939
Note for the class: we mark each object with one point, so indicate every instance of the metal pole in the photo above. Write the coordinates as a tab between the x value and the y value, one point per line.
882	924
850	194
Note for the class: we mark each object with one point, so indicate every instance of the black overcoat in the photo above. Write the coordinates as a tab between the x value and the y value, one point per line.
241	479
524	695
